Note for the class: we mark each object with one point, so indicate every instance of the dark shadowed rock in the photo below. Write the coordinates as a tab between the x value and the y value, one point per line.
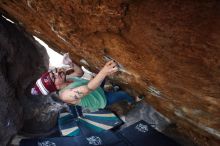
21	62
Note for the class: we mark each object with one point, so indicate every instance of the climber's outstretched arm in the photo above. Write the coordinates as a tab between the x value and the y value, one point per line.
74	95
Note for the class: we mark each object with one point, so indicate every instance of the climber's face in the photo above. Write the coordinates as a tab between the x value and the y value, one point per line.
58	77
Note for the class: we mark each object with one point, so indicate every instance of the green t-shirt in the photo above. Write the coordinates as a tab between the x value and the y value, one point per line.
94	100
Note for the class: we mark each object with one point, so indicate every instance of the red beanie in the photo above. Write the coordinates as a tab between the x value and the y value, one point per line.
44	85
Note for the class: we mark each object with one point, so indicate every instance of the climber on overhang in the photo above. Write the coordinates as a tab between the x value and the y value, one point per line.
78	91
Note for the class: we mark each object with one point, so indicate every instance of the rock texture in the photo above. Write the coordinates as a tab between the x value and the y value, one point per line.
167	50
20	66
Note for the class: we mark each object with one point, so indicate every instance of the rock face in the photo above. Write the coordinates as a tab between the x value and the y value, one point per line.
21	63
167	50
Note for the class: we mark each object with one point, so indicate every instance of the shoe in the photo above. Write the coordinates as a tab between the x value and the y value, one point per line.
88	75
139	98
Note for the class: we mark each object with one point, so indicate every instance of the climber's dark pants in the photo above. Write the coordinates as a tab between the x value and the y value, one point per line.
116	96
